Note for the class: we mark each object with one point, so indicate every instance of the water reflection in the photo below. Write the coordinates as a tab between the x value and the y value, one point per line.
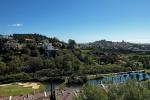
122	77
48	85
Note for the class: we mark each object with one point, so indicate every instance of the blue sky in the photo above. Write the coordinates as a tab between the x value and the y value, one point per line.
82	20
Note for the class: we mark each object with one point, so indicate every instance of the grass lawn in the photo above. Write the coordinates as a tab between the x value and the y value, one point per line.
98	76
85	51
15	89
62	85
147	70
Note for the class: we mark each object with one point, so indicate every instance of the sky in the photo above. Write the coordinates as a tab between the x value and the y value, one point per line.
81	20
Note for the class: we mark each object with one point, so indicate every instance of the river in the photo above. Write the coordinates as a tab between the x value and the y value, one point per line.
122	77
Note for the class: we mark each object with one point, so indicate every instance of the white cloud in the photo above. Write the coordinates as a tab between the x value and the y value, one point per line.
16	25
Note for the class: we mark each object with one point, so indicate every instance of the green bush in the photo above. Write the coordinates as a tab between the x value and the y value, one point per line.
91	92
130	90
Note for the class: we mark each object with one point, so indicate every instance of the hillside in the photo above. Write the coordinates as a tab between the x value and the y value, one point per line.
34	57
109	45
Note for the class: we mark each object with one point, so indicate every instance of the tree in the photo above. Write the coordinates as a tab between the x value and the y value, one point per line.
26	51
33	64
35	53
15	64
49	63
3	68
71	43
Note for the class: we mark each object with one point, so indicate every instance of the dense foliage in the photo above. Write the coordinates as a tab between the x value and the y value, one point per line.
25	57
125	91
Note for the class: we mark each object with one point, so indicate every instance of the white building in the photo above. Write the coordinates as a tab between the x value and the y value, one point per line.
5	37
47	46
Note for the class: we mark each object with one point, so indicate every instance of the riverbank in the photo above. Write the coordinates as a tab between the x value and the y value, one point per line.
99	76
148	71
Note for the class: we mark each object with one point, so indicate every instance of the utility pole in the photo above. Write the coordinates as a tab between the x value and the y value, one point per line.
52	96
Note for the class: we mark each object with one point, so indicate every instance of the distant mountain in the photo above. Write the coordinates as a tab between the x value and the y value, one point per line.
109	45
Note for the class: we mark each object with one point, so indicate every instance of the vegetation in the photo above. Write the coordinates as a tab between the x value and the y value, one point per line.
126	91
62	85
37	58
130	91
91	92
34	57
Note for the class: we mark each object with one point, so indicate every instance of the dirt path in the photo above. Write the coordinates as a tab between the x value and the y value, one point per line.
65	94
